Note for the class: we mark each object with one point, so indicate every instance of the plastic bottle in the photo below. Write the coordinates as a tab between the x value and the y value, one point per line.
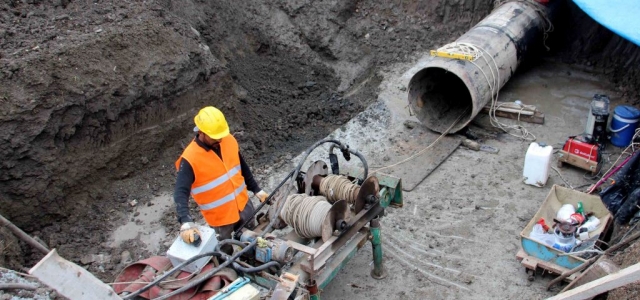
538	234
544	225
588	226
537	163
562	242
580	209
565	212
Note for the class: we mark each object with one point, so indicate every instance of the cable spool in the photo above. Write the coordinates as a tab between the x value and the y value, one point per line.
313	216
336	187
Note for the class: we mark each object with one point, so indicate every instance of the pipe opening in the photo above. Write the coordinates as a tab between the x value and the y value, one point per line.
438	98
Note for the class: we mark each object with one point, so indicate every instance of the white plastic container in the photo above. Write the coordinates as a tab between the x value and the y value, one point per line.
181	251
565	212
537	163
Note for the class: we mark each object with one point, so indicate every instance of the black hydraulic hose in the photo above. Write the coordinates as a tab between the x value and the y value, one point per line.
256	269
209	274
310	149
230	241
364	163
168	273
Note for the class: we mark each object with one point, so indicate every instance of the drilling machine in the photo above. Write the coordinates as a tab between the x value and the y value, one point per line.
272	255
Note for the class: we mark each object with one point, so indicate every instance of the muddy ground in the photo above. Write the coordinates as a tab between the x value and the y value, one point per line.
97	98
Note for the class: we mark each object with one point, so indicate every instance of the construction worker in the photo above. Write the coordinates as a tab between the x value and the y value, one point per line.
213	171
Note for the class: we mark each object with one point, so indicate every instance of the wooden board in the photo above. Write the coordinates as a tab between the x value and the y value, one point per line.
533	263
510	111
604	284
602	267
580	162
71	280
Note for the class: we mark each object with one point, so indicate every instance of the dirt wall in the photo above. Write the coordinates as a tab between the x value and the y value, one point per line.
78	84
580	40
91	92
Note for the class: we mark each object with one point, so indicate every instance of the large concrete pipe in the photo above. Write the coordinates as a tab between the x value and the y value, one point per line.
446	89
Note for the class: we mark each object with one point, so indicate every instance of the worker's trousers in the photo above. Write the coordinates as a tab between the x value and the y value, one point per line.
224	232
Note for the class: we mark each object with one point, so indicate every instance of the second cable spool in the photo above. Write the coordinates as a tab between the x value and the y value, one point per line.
338	187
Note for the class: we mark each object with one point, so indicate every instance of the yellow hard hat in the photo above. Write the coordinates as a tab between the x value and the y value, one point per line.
211	121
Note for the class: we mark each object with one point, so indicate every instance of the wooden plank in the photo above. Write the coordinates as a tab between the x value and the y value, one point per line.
71	280
533	263
578	161
510	111
602	267
604	284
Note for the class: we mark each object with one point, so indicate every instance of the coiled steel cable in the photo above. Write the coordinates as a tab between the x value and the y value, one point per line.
336	187
305	214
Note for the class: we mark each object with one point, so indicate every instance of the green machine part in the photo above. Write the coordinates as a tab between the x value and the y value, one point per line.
390	187
378	271
390	191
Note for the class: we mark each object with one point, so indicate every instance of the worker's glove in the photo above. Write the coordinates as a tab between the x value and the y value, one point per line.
190	234
262	195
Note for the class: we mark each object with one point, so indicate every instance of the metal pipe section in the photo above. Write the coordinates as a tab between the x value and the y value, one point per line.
445	89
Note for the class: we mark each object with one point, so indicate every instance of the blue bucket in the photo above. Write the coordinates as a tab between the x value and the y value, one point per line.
623	125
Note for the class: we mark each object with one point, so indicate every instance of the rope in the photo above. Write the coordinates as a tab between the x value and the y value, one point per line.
336	187
427	147
494	86
305	214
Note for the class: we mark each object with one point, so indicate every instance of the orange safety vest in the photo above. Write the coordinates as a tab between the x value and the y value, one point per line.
219	187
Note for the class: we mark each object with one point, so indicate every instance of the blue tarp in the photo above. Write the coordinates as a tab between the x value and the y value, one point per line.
620	16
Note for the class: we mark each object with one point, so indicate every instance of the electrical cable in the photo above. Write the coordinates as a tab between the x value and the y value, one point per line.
606	174
336	187
170	272
305	214
365	166
256	269
209	274
229	241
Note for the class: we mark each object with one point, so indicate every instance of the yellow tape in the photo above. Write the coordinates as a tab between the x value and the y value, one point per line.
451	55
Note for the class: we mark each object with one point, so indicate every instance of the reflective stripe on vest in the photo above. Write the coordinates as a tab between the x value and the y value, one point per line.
218	188
223	200
216	182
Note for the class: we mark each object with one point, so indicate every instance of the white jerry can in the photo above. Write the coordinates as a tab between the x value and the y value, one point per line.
537	163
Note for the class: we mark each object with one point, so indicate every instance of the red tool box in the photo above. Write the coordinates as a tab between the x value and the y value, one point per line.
582	149
580	154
